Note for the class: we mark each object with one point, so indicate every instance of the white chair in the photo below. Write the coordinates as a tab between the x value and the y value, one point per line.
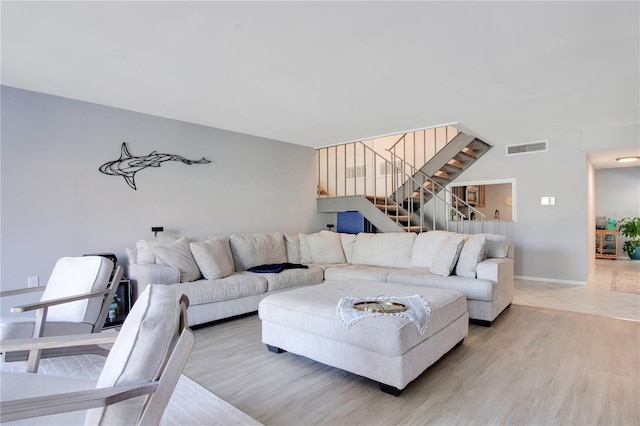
136	383
75	300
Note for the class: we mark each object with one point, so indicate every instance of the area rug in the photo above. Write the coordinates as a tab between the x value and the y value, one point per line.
190	404
626	281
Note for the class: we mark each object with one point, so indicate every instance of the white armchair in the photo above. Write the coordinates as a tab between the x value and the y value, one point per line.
75	300
137	380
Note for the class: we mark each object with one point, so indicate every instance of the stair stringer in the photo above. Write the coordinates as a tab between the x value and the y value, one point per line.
359	203
439	162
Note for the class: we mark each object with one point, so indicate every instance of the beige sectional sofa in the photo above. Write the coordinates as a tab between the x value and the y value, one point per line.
213	272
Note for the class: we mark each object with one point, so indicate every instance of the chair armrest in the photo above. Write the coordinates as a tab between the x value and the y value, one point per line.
58	341
72	401
16	292
52	302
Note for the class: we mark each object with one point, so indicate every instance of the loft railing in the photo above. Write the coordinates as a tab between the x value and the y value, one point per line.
416	148
356	169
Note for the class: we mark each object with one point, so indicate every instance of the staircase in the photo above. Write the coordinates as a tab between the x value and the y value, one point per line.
444	167
404	219
395	201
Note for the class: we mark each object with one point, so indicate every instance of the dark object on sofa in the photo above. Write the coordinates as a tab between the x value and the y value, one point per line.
276	267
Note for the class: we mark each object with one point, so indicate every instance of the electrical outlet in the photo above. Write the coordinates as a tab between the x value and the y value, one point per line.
32	281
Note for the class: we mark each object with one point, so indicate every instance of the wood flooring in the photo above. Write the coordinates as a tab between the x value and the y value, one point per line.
532	367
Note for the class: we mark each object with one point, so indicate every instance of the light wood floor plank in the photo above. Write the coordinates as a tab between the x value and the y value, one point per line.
533	366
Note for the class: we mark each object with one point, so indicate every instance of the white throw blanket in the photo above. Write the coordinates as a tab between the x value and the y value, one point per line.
418	310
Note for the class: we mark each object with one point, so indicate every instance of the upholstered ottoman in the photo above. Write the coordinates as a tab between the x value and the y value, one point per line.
388	349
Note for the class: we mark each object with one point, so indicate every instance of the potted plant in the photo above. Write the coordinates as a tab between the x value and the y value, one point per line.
630	228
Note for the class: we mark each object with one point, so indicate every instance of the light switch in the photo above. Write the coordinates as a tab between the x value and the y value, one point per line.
547	201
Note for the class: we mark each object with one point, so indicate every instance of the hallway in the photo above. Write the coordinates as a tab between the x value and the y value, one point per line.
595	298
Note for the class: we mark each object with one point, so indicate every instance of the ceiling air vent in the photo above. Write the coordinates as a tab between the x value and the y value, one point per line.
527	148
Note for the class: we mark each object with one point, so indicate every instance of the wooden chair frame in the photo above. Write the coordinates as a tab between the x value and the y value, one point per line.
42	307
159	391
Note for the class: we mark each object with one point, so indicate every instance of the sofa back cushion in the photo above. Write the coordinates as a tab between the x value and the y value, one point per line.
213	257
348	243
446	255
178	254
324	247
292	246
386	250
144	248
257	249
426	246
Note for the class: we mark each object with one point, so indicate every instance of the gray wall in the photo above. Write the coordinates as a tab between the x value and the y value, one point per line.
555	243
550	241
55	202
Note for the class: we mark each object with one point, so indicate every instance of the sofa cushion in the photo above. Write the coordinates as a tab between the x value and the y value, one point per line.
321	247
496	246
232	287
386	250
357	272
213	257
348	243
472	252
290	278
257	249
472	288
292	246
144	248
178	254
425	247
446	256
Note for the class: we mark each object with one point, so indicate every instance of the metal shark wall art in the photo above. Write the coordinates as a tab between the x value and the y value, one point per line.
127	165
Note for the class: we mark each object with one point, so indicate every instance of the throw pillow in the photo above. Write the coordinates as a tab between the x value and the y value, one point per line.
178	254
472	252
425	247
325	248
144	248
497	246
446	256
213	257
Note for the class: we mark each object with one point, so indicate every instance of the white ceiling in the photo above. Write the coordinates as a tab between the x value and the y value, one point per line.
321	73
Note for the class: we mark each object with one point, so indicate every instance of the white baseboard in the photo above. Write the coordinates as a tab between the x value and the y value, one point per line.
550	280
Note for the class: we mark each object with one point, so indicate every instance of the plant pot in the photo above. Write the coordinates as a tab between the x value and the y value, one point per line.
635	256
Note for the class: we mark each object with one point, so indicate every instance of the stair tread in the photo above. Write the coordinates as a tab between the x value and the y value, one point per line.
468	151
415	228
455	163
